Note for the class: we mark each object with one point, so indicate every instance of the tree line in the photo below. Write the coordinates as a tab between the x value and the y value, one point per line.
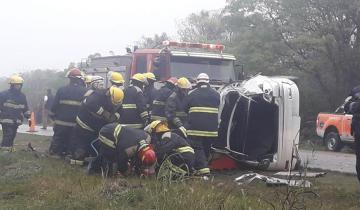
316	41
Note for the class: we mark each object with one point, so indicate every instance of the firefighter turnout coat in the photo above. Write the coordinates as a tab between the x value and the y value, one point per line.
174	110
13	107
66	104
158	106
202	106
134	112
121	143
96	111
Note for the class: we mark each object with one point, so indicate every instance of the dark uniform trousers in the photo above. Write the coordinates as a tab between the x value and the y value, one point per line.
61	139
201	146
9	133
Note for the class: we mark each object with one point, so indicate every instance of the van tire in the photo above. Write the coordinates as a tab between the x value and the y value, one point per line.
333	142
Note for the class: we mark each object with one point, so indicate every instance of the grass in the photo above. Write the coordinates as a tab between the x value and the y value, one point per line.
32	181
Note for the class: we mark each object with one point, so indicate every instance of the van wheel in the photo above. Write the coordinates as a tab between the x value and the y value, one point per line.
333	142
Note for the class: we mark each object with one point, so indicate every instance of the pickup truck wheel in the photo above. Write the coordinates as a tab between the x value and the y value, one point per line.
333	142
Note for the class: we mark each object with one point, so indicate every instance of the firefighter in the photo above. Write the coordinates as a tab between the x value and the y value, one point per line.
174	109
13	107
169	144
202	106
124	146
134	113
95	83
116	79
149	90
352	106
65	107
96	110
158	106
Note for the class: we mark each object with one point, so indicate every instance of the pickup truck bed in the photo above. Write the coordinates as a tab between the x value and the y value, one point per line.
334	129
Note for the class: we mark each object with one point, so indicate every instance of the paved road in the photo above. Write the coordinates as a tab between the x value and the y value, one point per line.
331	161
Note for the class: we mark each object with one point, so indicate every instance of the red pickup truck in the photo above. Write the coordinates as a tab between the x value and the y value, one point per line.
334	129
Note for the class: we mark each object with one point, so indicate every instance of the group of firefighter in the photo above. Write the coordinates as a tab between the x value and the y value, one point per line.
121	129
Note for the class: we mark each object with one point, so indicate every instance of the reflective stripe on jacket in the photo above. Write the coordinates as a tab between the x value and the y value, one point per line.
66	104
13	107
134	111
202	104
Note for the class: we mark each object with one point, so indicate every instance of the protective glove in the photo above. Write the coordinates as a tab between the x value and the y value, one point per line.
183	131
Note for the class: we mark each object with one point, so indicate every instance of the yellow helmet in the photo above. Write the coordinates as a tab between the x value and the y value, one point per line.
88	79
149	75
116	78
183	83
157	126
16	80
116	94
139	77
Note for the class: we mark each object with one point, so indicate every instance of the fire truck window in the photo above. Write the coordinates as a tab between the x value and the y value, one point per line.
141	64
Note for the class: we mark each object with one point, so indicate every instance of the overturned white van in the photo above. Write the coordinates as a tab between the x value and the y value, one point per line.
259	124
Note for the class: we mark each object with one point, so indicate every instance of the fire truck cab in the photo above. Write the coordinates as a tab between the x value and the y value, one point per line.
183	59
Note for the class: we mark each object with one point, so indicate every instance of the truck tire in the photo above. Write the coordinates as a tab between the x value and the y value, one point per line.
333	142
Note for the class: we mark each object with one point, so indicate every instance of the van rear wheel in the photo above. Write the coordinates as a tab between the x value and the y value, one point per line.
333	142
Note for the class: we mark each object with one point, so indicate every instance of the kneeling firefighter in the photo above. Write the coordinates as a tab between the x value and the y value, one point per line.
169	144
128	147
96	110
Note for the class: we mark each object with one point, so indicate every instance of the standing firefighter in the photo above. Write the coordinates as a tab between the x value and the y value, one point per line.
202	104
149	90
158	106
134	113
14	108
169	144
64	110
96	110
174	107
353	107
126	147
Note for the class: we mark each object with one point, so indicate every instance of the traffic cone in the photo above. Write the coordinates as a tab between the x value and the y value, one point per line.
32	123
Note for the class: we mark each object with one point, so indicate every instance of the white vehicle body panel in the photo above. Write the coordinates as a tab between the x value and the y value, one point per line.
285	94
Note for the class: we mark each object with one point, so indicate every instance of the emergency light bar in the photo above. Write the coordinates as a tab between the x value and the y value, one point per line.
194	45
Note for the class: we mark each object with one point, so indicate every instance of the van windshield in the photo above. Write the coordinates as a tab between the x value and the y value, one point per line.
191	67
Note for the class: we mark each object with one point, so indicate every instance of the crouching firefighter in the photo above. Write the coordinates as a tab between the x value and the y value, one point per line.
352	106
13	107
202	105
96	110
127	147
168	144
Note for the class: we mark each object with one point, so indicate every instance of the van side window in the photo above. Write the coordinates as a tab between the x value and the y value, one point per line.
141	62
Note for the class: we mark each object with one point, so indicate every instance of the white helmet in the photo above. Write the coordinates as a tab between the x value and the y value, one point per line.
97	82
202	77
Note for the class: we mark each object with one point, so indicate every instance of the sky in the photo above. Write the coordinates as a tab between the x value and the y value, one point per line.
49	34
